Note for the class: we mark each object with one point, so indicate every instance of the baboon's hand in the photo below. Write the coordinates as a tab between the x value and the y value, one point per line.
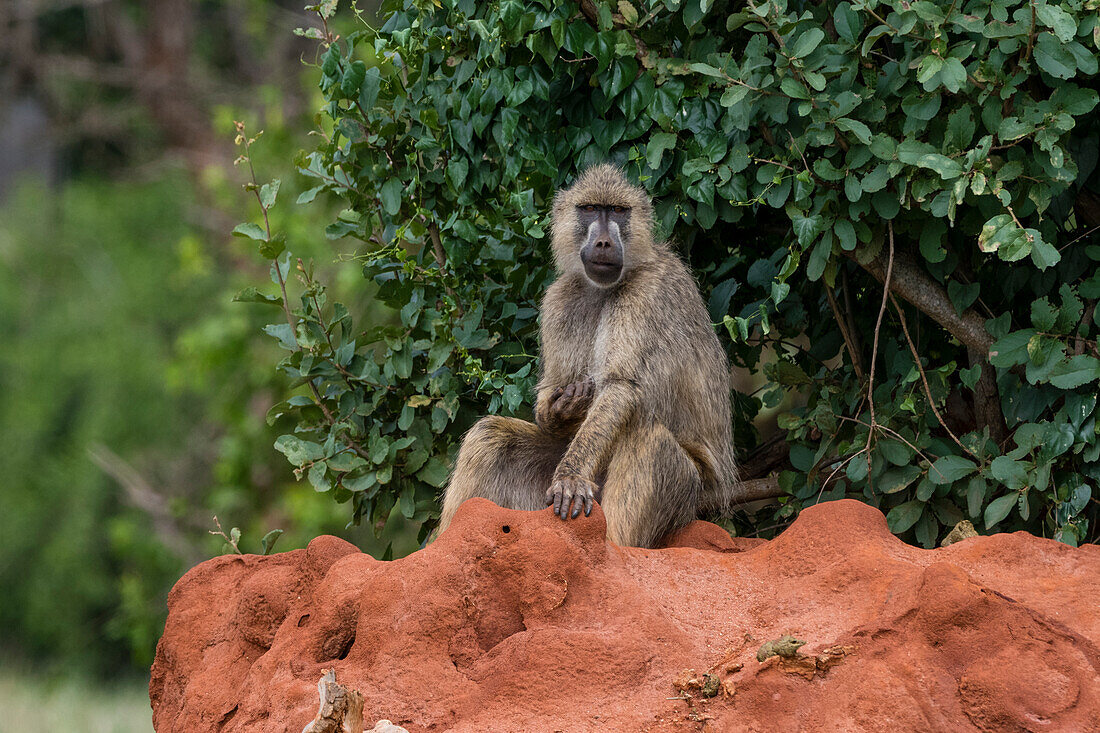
571	491
570	403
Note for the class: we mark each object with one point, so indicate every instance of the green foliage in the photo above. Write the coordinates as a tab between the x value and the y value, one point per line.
72	267
119	333
789	145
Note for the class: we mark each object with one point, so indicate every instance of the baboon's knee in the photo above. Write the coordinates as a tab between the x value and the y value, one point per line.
484	461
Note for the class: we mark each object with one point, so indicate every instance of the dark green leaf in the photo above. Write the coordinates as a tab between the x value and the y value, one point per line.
904	516
267	542
998	509
434	472
949	469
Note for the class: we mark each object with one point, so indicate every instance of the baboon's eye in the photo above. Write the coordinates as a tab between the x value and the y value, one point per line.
588	207
619	209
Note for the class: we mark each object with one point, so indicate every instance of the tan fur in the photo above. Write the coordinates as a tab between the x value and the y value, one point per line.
655	437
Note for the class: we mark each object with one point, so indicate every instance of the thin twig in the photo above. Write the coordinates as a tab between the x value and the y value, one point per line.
874	348
924	379
848	342
848	310
441	260
889	431
1078	239
844	463
1030	33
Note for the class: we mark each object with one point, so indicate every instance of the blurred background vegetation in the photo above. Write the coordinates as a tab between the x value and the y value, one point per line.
133	388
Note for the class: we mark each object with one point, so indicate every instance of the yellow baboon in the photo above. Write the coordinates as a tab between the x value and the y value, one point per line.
633	396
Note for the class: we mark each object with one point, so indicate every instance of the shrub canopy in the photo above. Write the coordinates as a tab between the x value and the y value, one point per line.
800	154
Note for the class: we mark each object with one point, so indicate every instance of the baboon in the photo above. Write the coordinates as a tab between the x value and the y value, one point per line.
632	408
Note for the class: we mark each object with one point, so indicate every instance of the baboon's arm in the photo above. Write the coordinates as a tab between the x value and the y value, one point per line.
612	408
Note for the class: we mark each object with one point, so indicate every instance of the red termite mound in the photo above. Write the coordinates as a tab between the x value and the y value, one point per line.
518	621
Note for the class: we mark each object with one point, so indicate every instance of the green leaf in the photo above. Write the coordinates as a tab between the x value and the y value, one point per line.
998	509
928	67
1074	99
628	11
318	477
1012	474
1057	19
407	502
1076	371
298	451
457	169
267	542
946	167
268	192
1043	314
284	333
734	94
962	295
819	258
953	75
895	479
274	247
976	490
857	128
960	129
391	195
1012	349
250	230
1000	232
948	469
308	195
372	82
1054	58
252	295
790	374
847	22
904	516
434	472
360	483
805	44
658	144
806	228
353	79
1043	254
846	233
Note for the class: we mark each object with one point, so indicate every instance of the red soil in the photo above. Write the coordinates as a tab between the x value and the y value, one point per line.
518	621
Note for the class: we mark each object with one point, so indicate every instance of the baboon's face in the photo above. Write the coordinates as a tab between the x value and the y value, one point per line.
603	231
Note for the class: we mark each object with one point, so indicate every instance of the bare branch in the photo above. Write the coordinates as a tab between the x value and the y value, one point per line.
141	495
924	378
874	348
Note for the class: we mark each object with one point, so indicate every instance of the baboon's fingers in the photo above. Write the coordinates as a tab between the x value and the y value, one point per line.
589	389
588	501
556	393
578	504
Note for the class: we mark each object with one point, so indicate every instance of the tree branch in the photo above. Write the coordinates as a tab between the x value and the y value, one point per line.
141	495
441	260
911	282
759	489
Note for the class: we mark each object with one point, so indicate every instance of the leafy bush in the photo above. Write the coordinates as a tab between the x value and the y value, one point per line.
801	154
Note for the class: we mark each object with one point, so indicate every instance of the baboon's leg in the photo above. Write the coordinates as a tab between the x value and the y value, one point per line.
652	487
505	460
